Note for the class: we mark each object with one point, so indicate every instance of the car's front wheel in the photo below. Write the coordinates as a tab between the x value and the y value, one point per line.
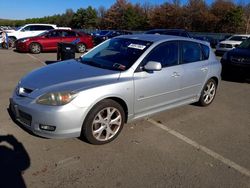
104	122
35	48
81	48
12	42
208	93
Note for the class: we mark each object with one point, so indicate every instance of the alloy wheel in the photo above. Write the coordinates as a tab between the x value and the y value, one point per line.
209	92
106	124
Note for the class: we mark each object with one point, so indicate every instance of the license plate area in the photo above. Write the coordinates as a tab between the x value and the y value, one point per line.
19	115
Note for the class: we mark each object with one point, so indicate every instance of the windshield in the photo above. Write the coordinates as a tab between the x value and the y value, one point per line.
245	44
237	38
103	32
18	28
43	33
116	54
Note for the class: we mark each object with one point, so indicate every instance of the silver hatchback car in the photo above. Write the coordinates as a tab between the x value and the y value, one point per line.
122	79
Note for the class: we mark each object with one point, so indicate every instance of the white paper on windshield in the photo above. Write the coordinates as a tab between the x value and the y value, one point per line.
137	46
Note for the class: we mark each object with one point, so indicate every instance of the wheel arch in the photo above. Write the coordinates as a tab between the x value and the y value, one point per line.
119	100
215	79
36	43
123	105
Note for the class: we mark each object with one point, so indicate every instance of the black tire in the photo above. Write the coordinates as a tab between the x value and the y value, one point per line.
207	98
81	48
90	128
11	42
35	48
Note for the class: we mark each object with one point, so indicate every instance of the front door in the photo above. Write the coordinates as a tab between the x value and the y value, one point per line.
158	89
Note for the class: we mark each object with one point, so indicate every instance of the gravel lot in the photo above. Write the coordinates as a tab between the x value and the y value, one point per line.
189	146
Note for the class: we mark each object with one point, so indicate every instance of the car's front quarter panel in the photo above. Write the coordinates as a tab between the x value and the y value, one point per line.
122	89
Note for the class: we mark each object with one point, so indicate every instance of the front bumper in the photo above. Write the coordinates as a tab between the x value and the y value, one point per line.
221	51
227	66
67	119
22	46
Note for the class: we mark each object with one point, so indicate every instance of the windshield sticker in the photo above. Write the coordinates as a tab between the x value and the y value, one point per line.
137	46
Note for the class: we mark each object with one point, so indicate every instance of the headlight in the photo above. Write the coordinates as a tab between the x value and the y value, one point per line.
224	56
24	40
56	98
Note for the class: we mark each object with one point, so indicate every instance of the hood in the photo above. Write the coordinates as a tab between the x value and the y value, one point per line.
230	42
240	52
69	75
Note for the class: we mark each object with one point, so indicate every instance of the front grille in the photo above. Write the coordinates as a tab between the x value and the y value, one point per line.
240	59
25	118
226	46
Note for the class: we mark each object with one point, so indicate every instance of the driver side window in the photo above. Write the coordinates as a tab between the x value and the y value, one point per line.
27	28
166	53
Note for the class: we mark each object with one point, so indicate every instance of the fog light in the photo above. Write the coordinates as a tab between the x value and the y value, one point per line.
47	127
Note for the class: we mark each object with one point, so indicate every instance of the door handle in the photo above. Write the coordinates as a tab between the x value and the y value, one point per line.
204	69
175	74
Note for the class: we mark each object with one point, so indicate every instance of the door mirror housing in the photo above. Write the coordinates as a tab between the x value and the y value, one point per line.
152	66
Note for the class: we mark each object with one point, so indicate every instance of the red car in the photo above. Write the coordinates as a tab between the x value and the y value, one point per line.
48	40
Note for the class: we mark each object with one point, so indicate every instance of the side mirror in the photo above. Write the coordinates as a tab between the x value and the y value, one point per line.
153	66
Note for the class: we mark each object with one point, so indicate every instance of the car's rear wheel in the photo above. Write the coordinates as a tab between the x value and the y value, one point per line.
81	48
35	48
104	122
11	42
208	93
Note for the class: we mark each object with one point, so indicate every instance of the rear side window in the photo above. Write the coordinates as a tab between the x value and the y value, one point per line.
206	51
191	52
53	34
41	28
68	34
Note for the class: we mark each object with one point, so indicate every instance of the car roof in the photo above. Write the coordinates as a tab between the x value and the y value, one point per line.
40	24
158	38
167	30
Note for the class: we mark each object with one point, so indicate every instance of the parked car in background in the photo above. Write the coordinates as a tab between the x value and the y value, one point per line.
237	60
30	30
102	35
230	43
212	41
175	32
47	41
122	79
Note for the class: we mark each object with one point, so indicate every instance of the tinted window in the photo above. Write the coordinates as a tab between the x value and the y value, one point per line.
175	33
27	28
166	54
245	44
238	38
40	28
191	52
68	34
206	51
53	34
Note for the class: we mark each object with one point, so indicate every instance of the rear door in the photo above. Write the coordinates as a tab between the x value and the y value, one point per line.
69	36
51	39
195	66
158	89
